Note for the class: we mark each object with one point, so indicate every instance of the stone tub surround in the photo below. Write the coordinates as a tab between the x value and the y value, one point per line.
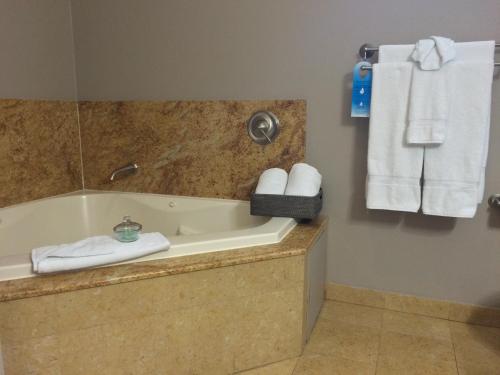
215	321
39	149
194	148
215	315
449	310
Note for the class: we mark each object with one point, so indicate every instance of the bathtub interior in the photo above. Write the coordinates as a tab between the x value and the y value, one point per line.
191	224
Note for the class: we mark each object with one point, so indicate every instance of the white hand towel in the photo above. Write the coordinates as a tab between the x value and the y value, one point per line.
394	167
272	181
429	106
95	251
304	180
433	53
454	171
466	51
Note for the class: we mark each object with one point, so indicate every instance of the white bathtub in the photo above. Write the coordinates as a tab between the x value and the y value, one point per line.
193	225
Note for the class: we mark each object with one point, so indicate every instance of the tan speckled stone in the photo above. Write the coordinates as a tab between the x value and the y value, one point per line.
416	325
37	356
259	338
352	314
27	318
487	316
410	354
359	296
417	305
332	365
449	310
200	322
279	368
196	148
350	341
39	150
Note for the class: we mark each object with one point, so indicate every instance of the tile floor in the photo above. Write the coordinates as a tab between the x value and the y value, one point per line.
353	339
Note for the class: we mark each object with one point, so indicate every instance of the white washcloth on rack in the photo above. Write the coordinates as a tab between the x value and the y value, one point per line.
430	97
272	181
433	53
430	90
304	180
394	168
95	251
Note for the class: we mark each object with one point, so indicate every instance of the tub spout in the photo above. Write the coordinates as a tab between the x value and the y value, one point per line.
126	170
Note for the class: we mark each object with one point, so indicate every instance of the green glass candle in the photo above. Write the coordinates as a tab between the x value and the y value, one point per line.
127	230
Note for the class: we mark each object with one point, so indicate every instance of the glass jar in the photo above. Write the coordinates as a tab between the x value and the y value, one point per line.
127	230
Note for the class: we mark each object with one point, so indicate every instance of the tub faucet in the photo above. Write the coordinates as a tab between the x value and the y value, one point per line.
126	170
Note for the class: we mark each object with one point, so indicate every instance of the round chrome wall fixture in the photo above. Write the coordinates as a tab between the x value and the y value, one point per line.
263	127
494	201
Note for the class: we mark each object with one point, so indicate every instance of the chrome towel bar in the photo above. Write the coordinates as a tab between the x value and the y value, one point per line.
366	51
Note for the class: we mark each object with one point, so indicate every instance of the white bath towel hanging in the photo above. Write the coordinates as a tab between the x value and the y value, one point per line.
454	171
394	168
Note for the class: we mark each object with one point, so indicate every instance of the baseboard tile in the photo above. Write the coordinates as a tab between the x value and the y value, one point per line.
458	312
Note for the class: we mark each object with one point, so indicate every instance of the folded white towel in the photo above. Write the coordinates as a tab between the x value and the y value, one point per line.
433	53
430	91
429	106
465	51
95	251
394	168
454	171
272	181
304	180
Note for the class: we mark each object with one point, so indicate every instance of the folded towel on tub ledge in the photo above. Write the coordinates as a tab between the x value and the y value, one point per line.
95	251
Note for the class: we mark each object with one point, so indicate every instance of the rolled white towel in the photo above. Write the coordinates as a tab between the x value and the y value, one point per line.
304	180
272	181
433	53
95	251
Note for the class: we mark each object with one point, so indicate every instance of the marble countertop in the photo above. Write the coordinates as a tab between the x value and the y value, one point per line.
297	242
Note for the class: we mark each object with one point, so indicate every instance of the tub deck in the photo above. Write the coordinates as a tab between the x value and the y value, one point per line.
295	243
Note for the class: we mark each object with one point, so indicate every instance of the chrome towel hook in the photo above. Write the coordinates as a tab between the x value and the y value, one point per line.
494	201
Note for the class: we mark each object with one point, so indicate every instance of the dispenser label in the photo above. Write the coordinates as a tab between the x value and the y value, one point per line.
361	90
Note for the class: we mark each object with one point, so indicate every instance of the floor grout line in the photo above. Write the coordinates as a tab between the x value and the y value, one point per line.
453	346
296	362
411	313
379	343
383	328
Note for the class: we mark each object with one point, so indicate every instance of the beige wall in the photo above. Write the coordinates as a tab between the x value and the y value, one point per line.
39	145
36	58
262	49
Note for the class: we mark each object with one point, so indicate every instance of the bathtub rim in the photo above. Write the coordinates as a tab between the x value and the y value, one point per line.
298	242
271	231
